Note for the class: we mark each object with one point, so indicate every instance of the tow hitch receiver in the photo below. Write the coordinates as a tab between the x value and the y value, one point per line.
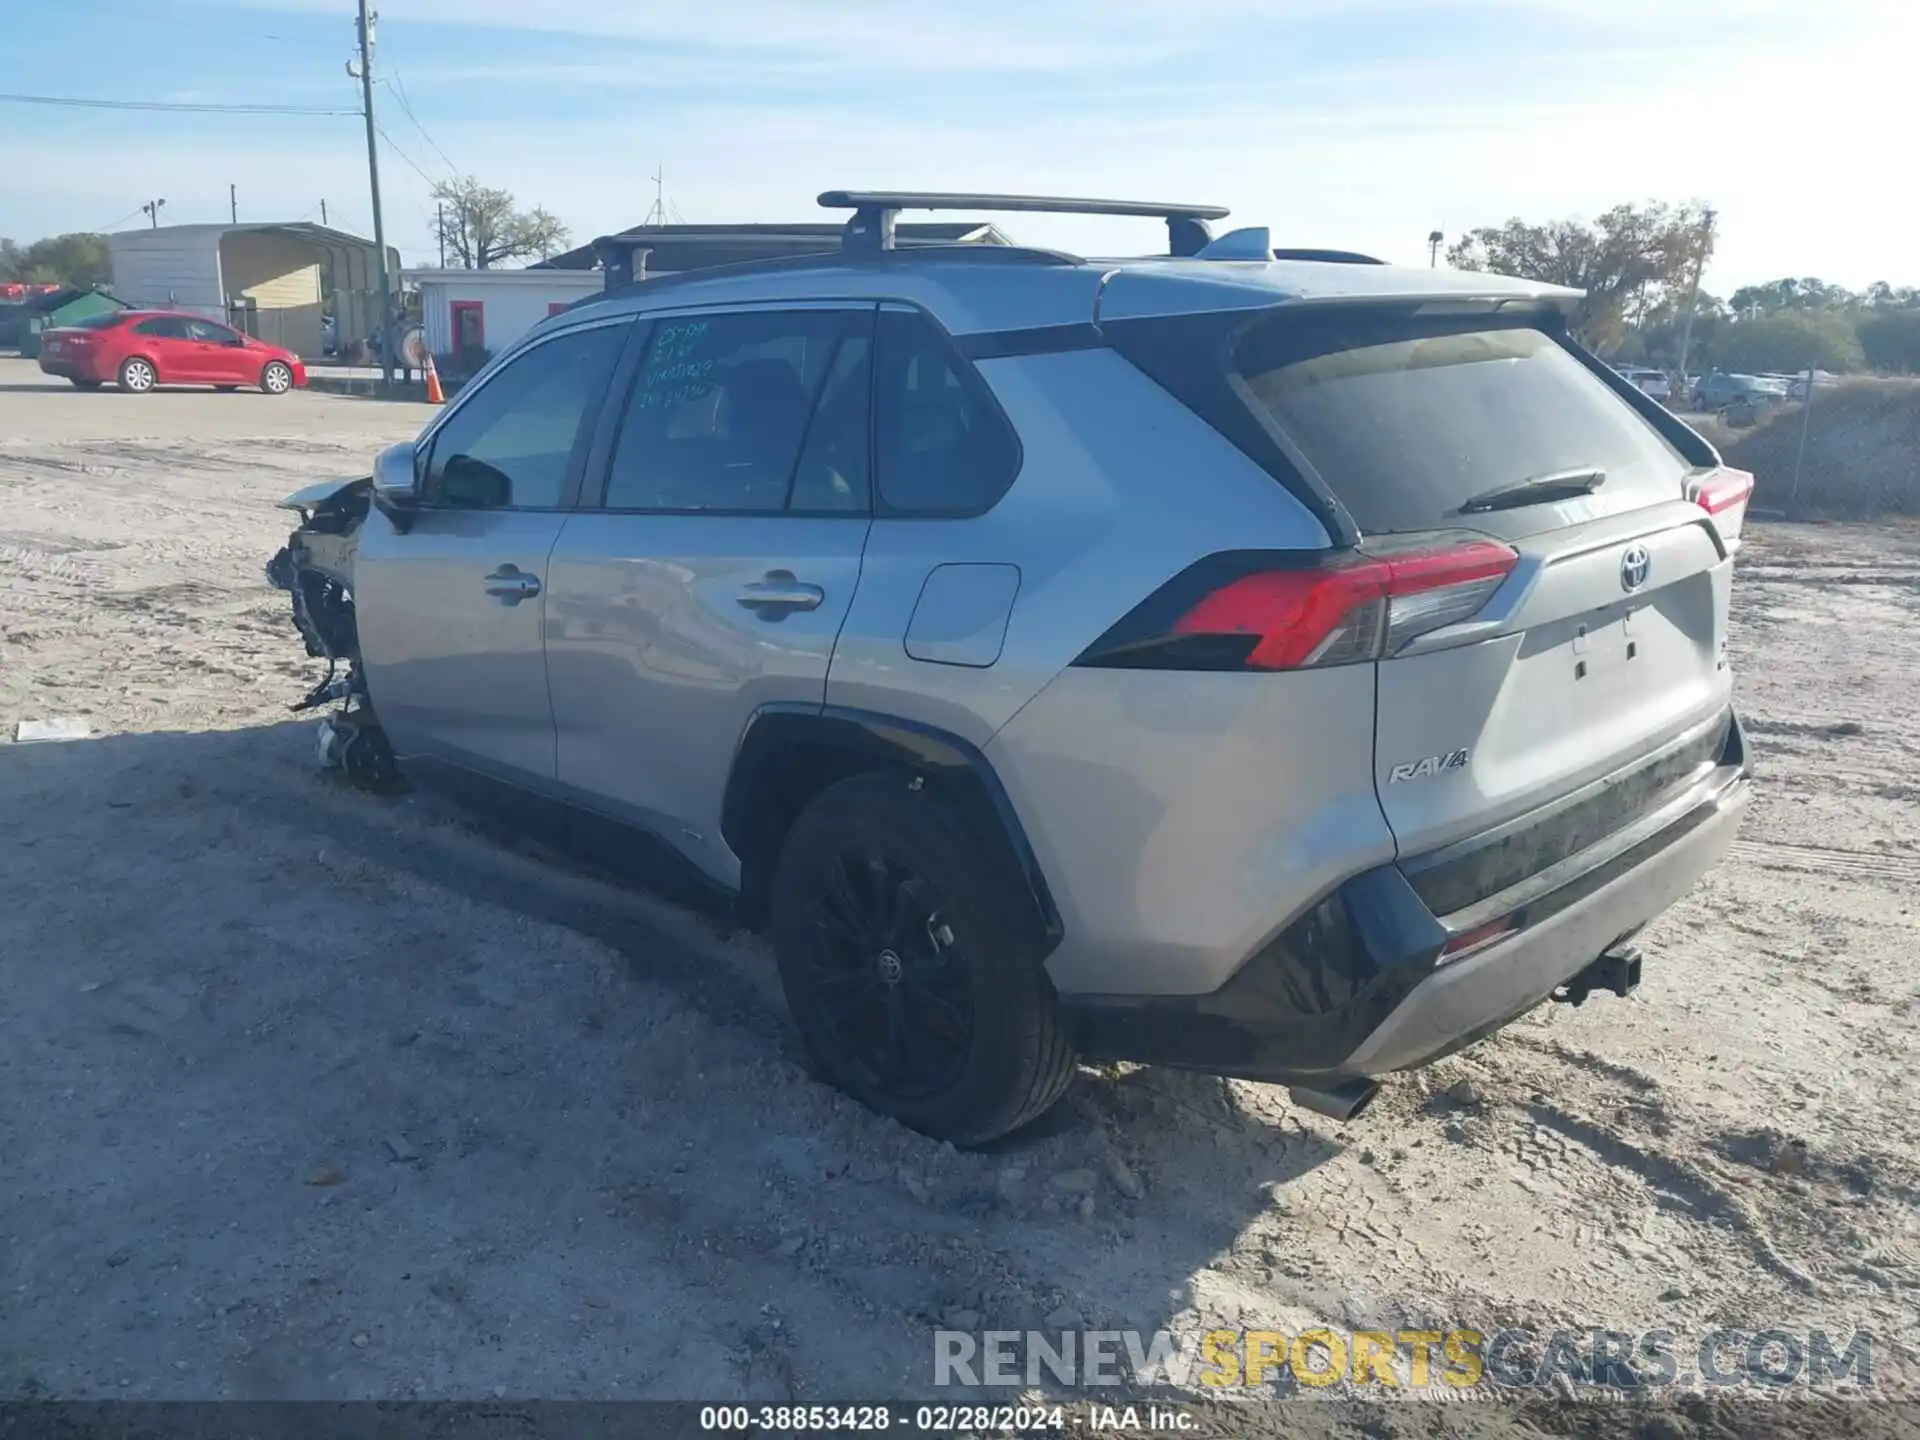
1618	971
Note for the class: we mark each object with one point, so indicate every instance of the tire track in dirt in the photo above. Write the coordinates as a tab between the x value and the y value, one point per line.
1818	860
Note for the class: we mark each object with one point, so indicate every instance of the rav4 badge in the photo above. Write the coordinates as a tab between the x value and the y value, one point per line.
1431	765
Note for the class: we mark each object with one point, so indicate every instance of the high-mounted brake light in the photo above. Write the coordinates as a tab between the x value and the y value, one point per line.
1294	612
1723	490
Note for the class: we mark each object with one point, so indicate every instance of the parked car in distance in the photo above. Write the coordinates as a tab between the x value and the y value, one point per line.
1797	385
1654	382
1374	692
1721	391
139	350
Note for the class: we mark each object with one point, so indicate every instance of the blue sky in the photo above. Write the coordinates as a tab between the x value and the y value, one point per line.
1356	123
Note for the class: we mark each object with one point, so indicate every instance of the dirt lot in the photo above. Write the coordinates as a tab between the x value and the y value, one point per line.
305	1093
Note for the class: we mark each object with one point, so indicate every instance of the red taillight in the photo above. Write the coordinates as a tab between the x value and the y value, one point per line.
1356	609
1289	611
1302	617
1723	490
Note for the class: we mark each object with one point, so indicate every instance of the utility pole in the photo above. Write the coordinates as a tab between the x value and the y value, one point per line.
323	213
152	211
233	203
1806	424
1693	296
440	229
1434	240
373	177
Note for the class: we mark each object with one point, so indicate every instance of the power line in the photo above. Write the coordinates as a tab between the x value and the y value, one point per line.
114	224
406	157
75	102
399	92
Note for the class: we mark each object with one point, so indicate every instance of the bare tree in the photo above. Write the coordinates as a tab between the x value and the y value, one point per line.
481	226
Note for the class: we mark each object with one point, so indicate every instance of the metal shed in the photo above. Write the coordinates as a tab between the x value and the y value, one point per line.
270	280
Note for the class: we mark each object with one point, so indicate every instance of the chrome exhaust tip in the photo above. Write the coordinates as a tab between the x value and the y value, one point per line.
1340	1102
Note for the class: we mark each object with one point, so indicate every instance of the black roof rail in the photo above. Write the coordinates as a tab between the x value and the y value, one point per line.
871	228
1329	257
621	283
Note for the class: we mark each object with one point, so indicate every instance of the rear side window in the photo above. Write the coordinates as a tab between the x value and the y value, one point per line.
942	447
1405	418
105	320
164	327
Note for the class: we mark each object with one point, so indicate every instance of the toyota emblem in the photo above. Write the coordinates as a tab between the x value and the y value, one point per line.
1634	566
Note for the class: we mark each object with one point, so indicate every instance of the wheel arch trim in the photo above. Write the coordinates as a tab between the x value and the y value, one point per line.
959	767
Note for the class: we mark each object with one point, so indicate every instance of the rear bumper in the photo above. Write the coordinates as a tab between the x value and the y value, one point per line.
69	367
1395	1002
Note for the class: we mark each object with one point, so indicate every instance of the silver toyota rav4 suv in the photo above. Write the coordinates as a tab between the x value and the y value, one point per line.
1270	663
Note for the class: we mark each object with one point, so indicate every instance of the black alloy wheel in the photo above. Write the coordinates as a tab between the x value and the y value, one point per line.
887	977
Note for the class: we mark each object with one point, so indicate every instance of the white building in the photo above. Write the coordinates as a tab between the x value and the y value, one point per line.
269	280
490	309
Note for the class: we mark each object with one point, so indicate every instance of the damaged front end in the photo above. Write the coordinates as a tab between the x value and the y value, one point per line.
315	568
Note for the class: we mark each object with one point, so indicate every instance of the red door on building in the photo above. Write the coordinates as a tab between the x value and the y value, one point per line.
469	325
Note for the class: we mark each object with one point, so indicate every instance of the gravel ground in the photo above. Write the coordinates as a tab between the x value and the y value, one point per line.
311	1094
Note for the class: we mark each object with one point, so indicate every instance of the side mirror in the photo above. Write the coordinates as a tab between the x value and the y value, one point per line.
396	485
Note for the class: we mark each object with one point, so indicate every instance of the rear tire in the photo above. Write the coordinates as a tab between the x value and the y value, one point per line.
137	376
907	970
276	378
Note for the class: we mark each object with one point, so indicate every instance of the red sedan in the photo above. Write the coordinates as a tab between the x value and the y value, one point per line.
139	349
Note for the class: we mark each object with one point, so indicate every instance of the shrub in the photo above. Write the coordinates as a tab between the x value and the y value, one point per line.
1790	341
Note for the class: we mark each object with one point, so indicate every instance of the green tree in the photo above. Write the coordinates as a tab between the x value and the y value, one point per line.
481	226
1632	262
1890	339
1880	295
1806	293
1791	340
78	259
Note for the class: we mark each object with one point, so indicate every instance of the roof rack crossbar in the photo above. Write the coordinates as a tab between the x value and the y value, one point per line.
874	211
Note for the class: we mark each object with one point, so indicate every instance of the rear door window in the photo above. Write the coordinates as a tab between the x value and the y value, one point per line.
163	327
745	413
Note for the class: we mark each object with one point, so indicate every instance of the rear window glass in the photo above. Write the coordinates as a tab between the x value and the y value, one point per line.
1404	417
105	320
1406	420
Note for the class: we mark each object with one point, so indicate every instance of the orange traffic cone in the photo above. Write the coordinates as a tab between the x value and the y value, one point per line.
435	395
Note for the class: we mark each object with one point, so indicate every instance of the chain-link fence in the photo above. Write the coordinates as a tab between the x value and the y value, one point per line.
1854	455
